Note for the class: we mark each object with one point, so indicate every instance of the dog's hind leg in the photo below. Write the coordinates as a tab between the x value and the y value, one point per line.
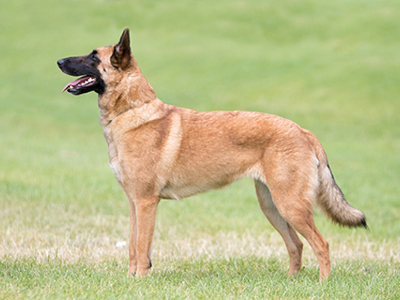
289	235
303	222
293	203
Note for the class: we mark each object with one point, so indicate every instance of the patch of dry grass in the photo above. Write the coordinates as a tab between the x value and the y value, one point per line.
70	235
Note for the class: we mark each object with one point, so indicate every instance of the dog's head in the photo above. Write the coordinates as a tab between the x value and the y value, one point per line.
98	69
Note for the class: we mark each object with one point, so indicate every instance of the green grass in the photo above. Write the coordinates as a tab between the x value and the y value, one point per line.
332	67
234	278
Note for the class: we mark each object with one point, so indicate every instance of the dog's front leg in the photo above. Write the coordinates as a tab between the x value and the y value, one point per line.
146	209
133	239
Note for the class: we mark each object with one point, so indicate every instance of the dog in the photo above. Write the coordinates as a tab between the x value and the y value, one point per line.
159	151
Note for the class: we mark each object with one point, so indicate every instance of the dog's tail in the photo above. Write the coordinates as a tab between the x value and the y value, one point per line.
330	197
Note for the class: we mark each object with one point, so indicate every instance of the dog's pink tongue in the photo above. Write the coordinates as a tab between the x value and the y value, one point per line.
73	83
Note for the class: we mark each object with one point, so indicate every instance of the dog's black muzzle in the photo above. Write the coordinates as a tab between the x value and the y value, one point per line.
82	66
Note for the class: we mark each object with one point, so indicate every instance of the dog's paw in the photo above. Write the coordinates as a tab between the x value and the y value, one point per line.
141	273
131	274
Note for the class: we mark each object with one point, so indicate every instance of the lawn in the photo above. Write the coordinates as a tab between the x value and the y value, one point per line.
332	67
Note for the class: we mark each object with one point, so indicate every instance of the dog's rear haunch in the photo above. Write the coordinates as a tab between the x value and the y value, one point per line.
158	151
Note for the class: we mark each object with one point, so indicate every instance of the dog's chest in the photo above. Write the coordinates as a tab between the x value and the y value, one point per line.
113	153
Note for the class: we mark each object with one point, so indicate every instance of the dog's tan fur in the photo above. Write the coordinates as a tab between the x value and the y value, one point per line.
158	151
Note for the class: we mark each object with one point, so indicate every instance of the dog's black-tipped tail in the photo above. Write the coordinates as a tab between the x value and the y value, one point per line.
332	202
330	197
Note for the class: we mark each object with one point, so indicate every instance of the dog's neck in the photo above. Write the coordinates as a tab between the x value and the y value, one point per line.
131	91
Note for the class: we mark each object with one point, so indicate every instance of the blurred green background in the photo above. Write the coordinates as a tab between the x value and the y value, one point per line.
333	67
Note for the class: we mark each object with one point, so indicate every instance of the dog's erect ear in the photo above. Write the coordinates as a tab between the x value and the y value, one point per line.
121	57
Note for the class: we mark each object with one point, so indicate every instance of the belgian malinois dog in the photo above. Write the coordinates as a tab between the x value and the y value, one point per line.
159	151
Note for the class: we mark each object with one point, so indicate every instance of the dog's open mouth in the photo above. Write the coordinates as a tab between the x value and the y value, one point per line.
78	66
83	82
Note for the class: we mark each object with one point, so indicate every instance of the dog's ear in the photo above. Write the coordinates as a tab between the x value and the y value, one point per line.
121	57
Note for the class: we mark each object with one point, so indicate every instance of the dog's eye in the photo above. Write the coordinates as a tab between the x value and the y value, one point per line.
93	56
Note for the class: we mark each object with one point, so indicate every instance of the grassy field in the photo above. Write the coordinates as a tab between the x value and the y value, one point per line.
332	67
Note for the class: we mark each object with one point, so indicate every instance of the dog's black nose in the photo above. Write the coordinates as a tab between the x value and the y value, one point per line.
60	62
